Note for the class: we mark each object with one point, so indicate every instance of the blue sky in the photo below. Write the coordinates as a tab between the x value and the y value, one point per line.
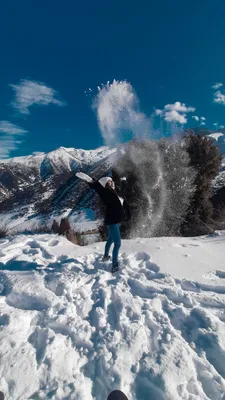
52	52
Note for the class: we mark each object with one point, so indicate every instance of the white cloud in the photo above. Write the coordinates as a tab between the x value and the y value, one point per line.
174	116
202	123
215	124
29	93
219	97
217	85
176	113
179	107
158	112
222	127
7	127
202	119
10	138
8	144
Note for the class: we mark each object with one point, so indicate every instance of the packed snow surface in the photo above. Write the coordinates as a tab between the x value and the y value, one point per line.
69	329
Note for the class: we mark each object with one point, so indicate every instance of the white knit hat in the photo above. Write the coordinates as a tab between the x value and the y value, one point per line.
104	180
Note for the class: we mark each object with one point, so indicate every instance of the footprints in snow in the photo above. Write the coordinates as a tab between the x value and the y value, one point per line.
142	256
109	309
39	339
4	320
185	245
54	243
220	274
176	290
114	311
25	301
197	329
198	287
53	283
34	248
138	289
11	257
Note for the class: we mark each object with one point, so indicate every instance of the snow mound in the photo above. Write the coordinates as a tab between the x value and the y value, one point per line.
69	329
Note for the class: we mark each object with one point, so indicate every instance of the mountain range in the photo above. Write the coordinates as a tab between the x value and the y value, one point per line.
45	183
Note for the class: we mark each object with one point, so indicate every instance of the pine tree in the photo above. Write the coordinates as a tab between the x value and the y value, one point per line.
64	226
55	226
206	159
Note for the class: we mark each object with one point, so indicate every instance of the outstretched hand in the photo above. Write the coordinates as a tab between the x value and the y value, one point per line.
84	177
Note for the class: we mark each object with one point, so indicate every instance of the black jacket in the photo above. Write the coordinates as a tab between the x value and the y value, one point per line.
115	211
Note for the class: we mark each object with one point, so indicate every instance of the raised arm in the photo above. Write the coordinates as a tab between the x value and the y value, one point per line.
84	177
93	185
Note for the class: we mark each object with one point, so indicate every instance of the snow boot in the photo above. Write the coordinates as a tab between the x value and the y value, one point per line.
106	258
115	268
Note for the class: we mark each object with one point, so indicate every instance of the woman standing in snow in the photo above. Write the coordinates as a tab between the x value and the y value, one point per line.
116	210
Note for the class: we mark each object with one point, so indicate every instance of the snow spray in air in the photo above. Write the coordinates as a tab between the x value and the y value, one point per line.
118	112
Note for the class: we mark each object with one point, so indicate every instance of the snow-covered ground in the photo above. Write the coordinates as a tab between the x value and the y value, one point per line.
69	329
82	221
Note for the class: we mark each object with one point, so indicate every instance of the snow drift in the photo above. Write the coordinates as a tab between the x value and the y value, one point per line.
71	330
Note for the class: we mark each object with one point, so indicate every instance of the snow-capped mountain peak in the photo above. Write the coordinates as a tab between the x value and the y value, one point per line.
59	161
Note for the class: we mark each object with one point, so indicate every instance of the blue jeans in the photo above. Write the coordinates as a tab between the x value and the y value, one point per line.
113	237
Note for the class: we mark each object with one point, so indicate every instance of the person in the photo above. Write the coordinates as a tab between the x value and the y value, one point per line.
117	210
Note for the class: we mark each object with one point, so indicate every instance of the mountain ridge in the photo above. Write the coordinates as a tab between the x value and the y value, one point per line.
46	182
